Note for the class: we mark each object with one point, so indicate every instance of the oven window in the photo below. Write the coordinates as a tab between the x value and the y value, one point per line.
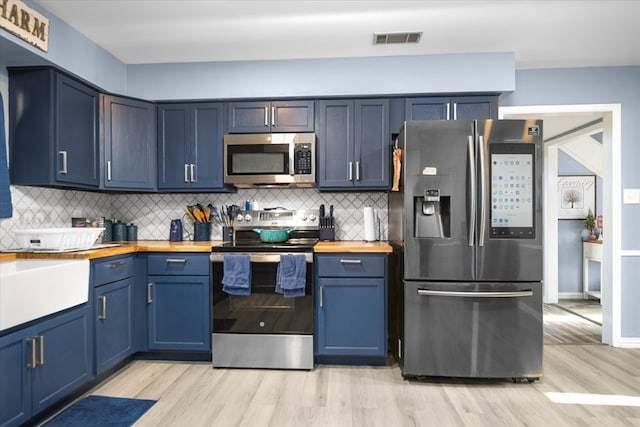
258	159
264	311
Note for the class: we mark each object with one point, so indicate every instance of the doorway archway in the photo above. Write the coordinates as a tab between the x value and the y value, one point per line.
611	263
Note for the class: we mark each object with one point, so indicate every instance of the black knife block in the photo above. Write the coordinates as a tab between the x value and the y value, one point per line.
328	234
327	229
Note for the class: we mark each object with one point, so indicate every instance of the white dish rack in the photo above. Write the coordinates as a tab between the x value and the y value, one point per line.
58	239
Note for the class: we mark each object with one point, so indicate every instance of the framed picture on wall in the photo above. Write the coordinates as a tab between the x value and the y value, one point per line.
577	194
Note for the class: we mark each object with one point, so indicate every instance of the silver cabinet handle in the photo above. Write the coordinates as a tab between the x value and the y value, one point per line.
108	170
266	116
175	260
186	172
64	162
455	111
350	171
273	116
32	362
483	191
321	302
103	304
358	171
471	294
40	340
117	264
193	174
149	300
472	194
350	261
447	110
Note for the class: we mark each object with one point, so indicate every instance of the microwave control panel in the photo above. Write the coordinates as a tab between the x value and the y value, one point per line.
302	158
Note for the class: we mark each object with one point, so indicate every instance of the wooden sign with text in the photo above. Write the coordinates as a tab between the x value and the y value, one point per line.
25	23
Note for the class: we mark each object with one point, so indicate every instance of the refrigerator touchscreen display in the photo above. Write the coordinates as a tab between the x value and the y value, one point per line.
512	193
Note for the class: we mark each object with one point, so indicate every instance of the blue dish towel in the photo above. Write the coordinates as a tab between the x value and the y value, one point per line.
6	208
291	277
236	279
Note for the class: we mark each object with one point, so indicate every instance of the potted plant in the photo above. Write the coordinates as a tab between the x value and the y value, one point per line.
590	224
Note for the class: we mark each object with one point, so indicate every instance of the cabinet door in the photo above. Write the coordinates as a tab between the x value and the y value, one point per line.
292	116
76	132
475	107
372	144
129	144
351	317
113	317
64	356
249	117
179	313
206	147
53	124
173	146
430	108
15	391
335	145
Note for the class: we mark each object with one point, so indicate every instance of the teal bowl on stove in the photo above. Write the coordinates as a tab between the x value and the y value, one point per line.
273	236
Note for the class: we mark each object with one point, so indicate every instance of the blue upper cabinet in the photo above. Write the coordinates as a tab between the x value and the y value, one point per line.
452	108
190	146
129	144
354	144
275	116
53	124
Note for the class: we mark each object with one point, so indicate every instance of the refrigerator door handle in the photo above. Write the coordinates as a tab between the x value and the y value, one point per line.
483	192
472	193
472	294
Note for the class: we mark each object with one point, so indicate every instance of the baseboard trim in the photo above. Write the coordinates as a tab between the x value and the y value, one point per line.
570	295
629	342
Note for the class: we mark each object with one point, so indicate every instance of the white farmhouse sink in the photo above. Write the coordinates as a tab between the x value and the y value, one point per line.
33	288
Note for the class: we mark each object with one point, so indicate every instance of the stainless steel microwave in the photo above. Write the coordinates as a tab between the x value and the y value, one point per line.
270	160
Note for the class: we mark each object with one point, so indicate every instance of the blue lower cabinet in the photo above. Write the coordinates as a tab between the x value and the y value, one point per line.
351	319
113	317
179	313
351	311
44	363
15	384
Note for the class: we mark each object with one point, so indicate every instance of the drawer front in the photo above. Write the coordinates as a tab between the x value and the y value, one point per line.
112	270
179	264
592	250
351	265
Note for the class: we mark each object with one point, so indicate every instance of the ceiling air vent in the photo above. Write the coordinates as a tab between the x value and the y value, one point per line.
394	38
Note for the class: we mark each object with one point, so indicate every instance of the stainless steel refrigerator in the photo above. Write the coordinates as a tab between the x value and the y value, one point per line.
467	225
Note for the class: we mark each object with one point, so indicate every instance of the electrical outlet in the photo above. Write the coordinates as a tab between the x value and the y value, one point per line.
631	196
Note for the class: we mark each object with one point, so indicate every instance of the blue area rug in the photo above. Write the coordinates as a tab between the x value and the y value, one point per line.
101	411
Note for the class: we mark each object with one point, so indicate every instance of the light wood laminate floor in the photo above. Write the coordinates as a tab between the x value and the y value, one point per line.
601	383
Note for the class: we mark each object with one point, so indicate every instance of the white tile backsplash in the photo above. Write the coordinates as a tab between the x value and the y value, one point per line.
36	207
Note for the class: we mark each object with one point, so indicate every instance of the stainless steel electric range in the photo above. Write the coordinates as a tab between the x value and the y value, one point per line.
265	329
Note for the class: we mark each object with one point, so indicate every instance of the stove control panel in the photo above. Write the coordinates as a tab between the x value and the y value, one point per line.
296	219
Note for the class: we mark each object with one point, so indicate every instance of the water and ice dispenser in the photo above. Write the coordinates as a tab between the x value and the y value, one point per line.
432	214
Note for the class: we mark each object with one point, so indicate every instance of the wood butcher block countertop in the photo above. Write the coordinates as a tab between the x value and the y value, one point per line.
352	246
123	249
187	246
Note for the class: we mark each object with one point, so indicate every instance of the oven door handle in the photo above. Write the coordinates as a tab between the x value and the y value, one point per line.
261	257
